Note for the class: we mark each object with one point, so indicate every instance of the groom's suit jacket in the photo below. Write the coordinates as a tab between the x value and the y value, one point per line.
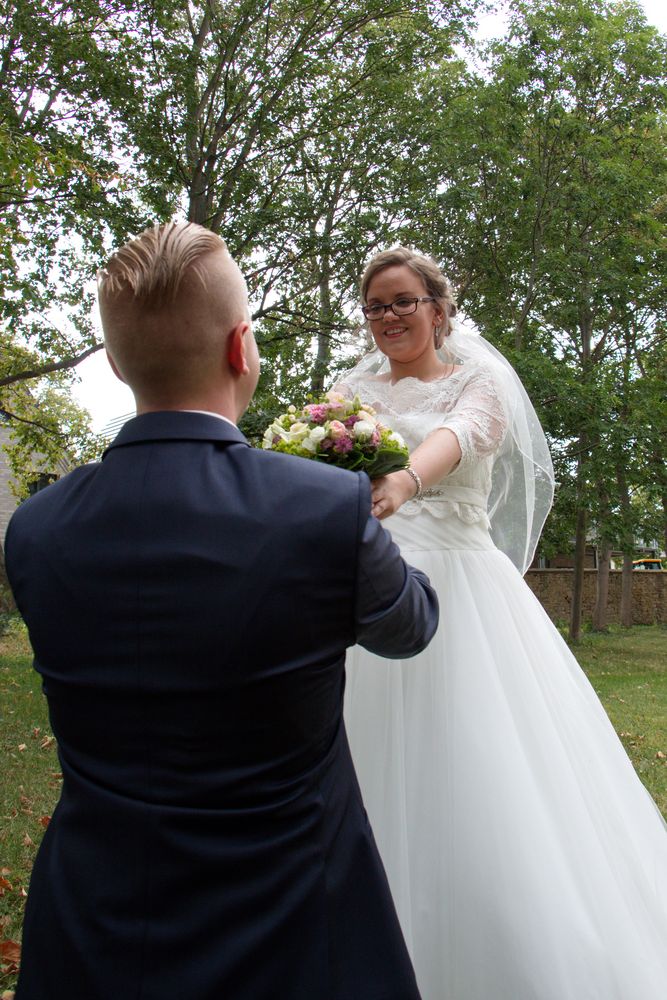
189	602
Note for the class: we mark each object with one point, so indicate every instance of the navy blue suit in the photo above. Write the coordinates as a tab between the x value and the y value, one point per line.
189	602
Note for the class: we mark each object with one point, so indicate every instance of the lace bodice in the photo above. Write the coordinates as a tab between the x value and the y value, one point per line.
469	402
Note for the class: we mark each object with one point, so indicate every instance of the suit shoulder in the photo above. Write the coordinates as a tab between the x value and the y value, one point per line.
306	473
38	503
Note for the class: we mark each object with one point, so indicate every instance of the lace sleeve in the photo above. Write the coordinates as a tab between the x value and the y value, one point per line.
479	417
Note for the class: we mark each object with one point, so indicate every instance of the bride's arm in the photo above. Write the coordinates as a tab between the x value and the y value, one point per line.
472	429
434	459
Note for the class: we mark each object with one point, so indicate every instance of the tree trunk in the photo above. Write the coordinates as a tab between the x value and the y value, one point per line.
580	544
626	590
578	575
321	366
323	357
627	544
600	610
586	331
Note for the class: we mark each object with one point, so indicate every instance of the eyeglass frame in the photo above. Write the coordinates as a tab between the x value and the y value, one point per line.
415	299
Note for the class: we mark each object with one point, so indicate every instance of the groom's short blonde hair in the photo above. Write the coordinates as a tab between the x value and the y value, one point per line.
152	266
167	299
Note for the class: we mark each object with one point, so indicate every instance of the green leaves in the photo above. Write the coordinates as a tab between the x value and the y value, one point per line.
310	137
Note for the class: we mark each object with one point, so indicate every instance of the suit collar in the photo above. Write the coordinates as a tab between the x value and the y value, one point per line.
177	425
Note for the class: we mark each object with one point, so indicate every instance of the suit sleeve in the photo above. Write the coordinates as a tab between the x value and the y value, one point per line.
396	608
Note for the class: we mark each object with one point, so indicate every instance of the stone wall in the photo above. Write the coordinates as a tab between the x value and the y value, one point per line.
6	598
8	504
553	588
8	501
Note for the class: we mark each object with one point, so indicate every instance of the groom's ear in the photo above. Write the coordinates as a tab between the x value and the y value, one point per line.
236	348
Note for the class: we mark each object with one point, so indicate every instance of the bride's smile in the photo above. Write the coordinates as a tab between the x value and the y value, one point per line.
408	339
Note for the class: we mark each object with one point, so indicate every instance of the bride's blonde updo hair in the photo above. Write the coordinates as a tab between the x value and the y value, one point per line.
434	281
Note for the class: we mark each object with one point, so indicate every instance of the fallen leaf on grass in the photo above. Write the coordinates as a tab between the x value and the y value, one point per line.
22	747
10	951
28	841
47	742
10	956
661	756
5	886
44	820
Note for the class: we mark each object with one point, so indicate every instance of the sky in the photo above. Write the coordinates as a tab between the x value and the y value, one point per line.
105	397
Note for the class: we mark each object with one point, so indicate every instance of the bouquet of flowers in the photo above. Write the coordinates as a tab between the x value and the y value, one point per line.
340	431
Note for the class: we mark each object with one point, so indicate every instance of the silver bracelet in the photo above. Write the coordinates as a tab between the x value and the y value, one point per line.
419	495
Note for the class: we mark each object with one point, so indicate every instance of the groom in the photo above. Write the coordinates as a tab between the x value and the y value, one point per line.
189	601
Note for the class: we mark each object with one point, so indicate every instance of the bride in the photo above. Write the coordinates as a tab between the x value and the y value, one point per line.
526	859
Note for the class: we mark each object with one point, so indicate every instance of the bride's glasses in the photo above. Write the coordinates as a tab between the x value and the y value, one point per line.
400	307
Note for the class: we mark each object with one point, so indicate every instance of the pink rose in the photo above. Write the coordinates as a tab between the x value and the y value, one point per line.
337	430
343	445
317	412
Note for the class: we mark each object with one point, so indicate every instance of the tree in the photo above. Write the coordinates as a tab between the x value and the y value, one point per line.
229	113
546	211
61	201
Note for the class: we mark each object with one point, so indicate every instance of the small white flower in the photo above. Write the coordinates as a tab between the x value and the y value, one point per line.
317	434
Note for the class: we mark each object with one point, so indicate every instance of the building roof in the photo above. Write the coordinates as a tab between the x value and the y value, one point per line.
110	430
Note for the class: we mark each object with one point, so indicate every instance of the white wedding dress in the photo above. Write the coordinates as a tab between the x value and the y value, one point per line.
525	857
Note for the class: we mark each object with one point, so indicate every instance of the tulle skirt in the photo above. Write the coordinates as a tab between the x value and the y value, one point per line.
525	857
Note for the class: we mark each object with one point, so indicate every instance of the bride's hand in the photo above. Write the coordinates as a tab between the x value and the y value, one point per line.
389	492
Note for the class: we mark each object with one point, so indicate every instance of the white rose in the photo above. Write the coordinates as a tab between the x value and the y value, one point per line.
363	429
394	436
298	431
317	434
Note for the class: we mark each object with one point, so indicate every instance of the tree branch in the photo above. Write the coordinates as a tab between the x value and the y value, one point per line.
54	366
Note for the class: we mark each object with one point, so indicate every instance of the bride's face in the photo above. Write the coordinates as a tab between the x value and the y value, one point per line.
406	338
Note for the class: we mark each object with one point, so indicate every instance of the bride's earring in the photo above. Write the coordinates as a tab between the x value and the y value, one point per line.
436	337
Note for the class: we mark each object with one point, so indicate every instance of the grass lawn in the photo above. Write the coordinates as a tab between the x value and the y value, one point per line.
627	667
